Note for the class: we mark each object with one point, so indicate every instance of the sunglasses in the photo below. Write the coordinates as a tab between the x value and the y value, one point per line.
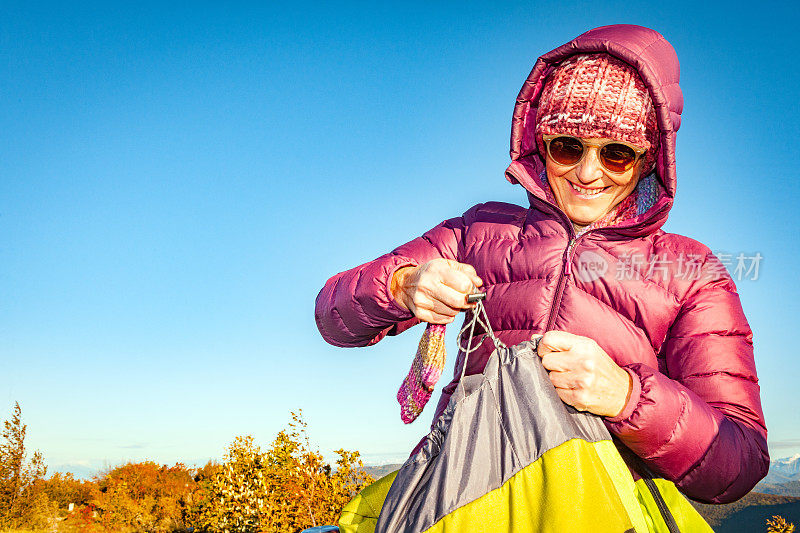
615	156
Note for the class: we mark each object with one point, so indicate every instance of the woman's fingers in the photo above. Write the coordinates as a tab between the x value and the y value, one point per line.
584	375
433	311
560	380
449	282
436	291
434	318
557	361
573	397
461	282
451	297
468	271
434	304
571	380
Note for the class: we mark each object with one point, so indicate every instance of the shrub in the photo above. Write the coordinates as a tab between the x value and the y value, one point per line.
283	490
144	497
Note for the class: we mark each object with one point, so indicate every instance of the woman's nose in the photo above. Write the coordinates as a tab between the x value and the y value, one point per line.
589	169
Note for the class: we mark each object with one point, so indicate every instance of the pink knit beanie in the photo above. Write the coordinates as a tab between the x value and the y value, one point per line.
598	95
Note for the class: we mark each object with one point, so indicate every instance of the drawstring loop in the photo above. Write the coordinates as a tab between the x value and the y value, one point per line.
478	316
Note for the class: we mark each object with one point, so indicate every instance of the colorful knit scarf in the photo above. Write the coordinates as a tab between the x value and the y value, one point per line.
642	198
426	370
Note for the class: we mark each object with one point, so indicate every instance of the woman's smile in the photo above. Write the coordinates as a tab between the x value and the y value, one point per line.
587	193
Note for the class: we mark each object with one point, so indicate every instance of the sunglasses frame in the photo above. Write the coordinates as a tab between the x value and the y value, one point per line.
599	145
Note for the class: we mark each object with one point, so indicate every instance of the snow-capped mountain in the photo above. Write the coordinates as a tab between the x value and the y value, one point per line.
789	466
784	470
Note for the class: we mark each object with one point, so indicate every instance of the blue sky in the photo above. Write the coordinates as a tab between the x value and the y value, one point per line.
178	182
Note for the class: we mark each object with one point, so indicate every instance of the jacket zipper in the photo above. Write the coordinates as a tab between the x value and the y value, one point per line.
566	272
566	268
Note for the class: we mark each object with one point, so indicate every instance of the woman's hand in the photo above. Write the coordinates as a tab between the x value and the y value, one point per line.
435	291
584	375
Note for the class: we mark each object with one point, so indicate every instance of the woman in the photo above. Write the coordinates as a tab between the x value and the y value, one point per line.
641	327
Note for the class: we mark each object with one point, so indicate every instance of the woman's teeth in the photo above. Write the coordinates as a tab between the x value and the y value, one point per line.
587	192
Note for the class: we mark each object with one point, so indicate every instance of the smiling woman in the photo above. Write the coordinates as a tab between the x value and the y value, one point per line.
596	123
662	353
577	180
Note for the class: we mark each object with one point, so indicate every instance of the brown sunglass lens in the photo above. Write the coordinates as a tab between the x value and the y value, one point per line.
566	150
617	157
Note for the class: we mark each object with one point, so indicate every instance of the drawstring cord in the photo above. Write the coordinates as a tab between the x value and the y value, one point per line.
416	389
478	316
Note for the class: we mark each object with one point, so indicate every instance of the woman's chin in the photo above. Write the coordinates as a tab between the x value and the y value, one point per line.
583	216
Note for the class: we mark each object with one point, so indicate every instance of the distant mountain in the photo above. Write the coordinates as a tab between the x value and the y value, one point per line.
378	471
788	467
750	514
776	494
790	488
78	471
783	477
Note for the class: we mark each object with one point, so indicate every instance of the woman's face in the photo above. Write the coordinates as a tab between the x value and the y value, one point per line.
587	191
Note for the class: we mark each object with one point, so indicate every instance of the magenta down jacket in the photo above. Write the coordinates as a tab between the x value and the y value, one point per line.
660	304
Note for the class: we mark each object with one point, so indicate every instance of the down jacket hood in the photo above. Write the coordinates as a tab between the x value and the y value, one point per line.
657	64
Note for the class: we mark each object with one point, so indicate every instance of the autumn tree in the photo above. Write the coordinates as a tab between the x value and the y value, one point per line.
20	504
283	490
237	492
305	491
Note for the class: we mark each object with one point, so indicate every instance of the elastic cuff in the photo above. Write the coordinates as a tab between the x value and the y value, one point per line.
633	401
387	288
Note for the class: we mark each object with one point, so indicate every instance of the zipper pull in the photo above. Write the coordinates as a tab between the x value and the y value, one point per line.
568	266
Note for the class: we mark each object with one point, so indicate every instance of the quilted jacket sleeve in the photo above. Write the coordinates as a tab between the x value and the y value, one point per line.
356	308
701	425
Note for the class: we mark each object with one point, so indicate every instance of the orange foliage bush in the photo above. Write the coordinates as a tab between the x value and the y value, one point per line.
63	489
283	490
144	497
779	524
